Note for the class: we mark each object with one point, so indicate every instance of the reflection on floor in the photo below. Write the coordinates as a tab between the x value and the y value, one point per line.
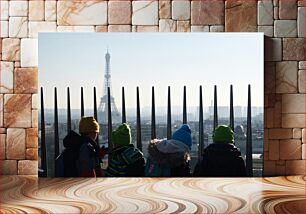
131	195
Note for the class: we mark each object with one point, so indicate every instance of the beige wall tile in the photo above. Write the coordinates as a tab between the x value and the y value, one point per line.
26	80
275	13
216	28
295	167
301	81
239	16
15	144
180	10
285	28
293	103
81	13
119	28
293	49
8	167
34	101
36	10
164	9
11	49
301	22
303	151
50	10
290	149
297	133
7	77
167	25
17	110
32	154
280	133
18	27
29	53
4	10
265	12
286	77
287	9
199	28
119	12
27	167
207	12
147	28
101	28
302	65
145	13
4	29
32	138
293	120
35	118
183	26
18	8
2	146
1	110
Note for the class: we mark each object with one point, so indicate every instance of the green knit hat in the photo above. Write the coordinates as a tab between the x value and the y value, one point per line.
122	135
223	134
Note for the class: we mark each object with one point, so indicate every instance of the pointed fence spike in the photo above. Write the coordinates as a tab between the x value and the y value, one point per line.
184	107
201	127
95	111
231	108
169	128
139	142
153	122
215	108
123	107
56	134
43	149
68	110
249	160
82	102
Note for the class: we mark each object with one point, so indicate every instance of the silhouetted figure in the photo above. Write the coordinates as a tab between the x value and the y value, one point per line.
221	158
170	157
124	160
81	156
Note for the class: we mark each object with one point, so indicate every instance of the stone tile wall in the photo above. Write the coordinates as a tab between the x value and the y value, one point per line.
282	21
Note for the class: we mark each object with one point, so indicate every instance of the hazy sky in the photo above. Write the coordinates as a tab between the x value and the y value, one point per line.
152	59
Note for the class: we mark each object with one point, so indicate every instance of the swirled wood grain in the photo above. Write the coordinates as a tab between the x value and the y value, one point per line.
25	194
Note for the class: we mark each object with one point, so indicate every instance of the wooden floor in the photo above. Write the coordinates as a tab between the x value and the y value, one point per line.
138	195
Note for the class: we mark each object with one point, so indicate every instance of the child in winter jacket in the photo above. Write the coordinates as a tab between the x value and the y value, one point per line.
170	158
82	155
124	160
222	157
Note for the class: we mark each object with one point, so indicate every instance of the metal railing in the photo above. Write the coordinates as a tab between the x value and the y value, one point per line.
44	165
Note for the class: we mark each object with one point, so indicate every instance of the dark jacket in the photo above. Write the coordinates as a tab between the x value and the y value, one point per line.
125	161
168	158
80	156
88	162
221	159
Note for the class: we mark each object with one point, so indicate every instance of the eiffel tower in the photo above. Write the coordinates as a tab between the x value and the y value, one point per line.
103	106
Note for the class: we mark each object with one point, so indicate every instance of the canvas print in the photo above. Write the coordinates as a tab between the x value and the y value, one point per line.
148	104
136	122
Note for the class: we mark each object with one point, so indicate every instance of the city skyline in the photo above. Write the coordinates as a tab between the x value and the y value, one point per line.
59	66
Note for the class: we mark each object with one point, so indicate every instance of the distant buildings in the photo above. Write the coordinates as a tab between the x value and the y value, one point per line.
239	111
